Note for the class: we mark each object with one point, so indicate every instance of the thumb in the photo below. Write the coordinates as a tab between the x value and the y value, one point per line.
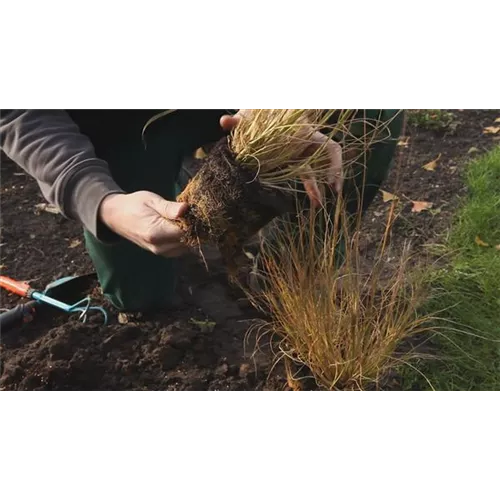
168	209
228	123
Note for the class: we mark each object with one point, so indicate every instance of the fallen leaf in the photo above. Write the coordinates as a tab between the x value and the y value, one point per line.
404	142
421	206
200	154
497	120
472	150
122	318
45	207
491	130
378	214
480	242
388	196
74	243
431	166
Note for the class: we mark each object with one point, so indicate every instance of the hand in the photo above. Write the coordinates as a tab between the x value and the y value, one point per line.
334	150
144	218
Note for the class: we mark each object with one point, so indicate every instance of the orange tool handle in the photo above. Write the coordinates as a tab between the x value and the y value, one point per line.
17	287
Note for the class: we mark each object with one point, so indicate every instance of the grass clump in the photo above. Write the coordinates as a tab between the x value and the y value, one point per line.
430	119
345	323
467	291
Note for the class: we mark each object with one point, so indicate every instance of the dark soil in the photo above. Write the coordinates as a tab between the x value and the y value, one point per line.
443	187
227	204
200	344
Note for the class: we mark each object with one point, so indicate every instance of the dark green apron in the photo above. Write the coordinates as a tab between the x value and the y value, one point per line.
365	179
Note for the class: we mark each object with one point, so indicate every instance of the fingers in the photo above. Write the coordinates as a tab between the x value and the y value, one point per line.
334	152
228	122
164	237
312	190
170	210
335	177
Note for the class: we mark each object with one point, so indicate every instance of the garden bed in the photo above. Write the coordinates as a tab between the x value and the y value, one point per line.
201	343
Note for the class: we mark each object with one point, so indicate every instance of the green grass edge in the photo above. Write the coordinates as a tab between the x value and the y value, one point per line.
466	293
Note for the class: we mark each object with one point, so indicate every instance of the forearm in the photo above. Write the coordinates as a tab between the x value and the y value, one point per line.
48	145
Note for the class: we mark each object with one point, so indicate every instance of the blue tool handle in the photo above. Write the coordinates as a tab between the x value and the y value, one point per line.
42	297
18	316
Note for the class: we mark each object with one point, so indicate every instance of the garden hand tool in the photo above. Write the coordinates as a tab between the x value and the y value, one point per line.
57	295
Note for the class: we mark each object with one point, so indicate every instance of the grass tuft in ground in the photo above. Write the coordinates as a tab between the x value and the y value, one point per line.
345	323
430	119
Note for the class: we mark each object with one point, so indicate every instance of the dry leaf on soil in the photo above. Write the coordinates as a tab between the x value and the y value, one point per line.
200	154
473	150
388	196
431	166
74	243
480	242
491	130
421	206
404	142
122	318
45	207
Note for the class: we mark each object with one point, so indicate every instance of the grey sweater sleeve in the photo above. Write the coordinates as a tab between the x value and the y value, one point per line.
48	145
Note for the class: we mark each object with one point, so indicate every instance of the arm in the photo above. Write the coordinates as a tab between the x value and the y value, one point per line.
48	145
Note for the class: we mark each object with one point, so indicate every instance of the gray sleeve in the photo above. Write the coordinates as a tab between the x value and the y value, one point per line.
48	145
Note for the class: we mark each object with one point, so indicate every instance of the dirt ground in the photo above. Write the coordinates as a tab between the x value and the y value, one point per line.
201	343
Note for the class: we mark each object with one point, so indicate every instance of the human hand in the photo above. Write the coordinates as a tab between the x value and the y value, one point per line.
145	219
318	140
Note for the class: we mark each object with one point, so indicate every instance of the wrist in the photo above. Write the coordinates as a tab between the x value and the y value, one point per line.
109	207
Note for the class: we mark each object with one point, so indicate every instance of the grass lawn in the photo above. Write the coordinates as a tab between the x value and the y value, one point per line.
468	290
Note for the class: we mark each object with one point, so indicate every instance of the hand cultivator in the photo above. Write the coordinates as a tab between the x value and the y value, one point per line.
59	294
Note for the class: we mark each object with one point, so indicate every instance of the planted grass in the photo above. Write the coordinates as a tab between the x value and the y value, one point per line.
467	291
346	324
430	119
